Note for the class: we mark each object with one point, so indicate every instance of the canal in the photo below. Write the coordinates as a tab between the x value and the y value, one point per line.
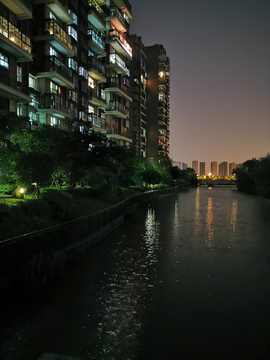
189	278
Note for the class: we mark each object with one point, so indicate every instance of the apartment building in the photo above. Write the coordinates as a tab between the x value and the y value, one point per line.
232	166
223	169
79	77
202	168
195	166
214	168
158	103
138	87
15	56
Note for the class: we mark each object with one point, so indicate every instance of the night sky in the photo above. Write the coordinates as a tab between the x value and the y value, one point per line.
220	74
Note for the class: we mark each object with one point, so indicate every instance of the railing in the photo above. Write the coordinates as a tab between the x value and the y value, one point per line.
95	64
96	38
52	63
115	105
97	121
115	59
115	35
54	101
15	252
15	35
117	13
117	132
97	9
54	28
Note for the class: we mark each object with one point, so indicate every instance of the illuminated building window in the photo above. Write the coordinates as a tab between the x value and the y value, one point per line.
72	95
4	61
91	109
53	52
19	74
72	64
74	17
83	72
54	121
72	32
55	89
91	82
32	82
52	16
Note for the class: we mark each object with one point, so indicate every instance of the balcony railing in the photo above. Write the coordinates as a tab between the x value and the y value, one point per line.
52	63
115	59
95	64
97	9
96	38
15	35
54	28
115	12
54	101
117	132
97	121
115	105
115	35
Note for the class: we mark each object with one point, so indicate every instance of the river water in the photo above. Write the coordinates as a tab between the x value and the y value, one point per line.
189	278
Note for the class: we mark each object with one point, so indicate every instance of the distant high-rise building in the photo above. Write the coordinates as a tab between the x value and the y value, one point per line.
214	168
195	166
223	169
231	167
202	168
158	102
181	165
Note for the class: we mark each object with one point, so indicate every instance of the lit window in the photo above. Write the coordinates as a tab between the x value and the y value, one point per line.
54	121
32	82
72	32
91	82
74	17
52	16
83	72
72	64
53	52
91	109
19	74
55	89
4	61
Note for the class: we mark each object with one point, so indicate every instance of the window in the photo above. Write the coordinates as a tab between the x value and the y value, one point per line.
91	109
103	94
72	64
72	95
19	74
54	121
32	82
55	89
74	17
53	52
52	16
4	61
73	33
91	82
83	72
19	110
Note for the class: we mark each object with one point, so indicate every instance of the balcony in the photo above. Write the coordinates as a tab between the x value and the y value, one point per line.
59	8
96	70
118	134
117	109
96	100
57	71
125	6
58	37
117	19
96	43
97	122
22	9
9	90
54	105
14	41
113	85
96	15
118	65
119	43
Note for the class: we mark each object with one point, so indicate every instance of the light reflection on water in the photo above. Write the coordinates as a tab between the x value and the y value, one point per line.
168	284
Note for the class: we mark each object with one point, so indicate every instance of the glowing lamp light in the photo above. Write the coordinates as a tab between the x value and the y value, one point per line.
21	190
209	174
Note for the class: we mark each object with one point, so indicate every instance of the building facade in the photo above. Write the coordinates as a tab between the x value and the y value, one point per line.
158	104
214	170
202	168
232	166
223	169
195	166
